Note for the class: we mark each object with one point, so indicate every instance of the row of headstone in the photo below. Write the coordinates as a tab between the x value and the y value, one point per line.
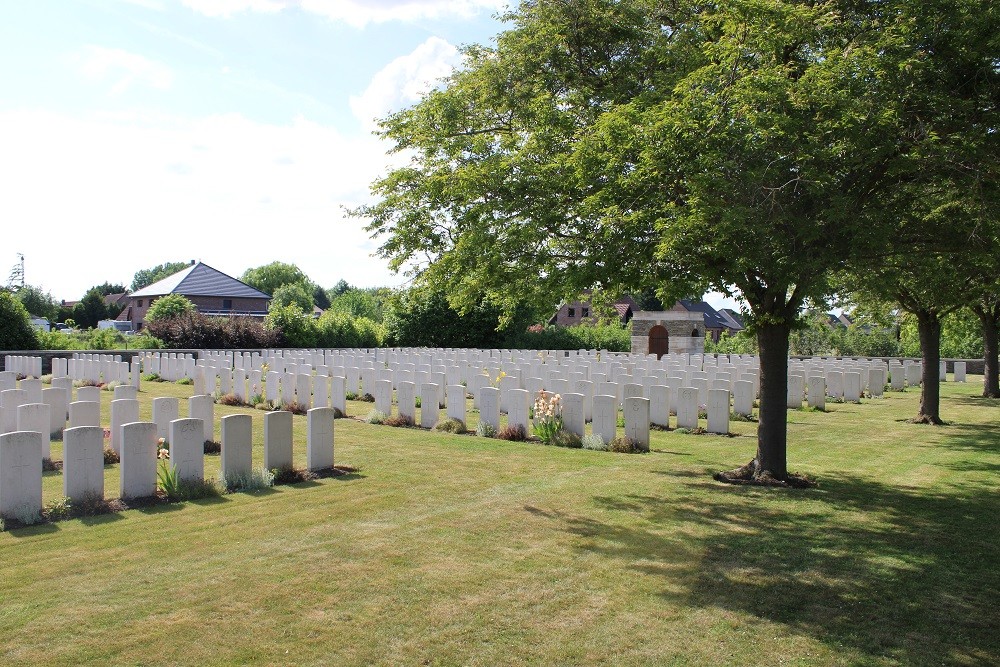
138	443
23	365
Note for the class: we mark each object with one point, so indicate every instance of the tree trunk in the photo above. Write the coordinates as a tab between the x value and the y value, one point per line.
929	329
770	465
990	319
772	430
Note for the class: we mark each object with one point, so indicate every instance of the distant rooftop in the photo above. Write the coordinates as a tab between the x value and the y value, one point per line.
201	280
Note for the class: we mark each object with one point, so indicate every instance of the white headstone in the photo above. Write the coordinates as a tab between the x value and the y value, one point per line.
33	388
718	411
83	462
489	406
165	410
852	387
687	407
89	394
10	400
187	448
55	398
36	417
518	409
605	417
303	390
637	421
123	411
338	393
795	391
456	402
429	405
383	396
125	391
659	405
406	400
278	440
960	370
84	413
572	414
319	438
137	472
817	392
20	473
203	407
237	445
743	397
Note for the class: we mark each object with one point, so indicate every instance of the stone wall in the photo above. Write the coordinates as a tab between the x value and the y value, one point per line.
679	325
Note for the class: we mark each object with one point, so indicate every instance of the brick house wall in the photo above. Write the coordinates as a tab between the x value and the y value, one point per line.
140	306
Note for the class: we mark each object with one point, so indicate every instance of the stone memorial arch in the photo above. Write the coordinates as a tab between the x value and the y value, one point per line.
662	332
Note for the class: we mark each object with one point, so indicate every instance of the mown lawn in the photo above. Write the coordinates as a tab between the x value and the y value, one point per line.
448	550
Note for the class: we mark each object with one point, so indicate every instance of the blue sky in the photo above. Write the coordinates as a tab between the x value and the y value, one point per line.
231	131
136	132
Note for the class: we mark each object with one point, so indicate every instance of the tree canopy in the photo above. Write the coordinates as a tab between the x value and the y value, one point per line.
626	144
37	302
169	306
269	277
16	332
146	277
296	293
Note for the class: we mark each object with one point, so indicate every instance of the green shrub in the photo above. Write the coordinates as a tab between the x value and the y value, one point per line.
198	331
16	332
58	509
257	479
624	445
486	430
513	432
178	490
399	421
185	381
295	408
340	329
376	417
450	425
230	400
611	337
564	438
167	307
111	456
212	447
595	442
26	515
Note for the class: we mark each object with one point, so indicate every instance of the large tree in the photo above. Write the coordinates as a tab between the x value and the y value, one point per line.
37	301
16	332
146	277
269	277
617	145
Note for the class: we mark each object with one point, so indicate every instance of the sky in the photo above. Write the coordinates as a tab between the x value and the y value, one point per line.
234	132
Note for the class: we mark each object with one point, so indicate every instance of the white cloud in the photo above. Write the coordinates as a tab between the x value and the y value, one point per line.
122	68
404	80
226	8
357	13
155	5
95	199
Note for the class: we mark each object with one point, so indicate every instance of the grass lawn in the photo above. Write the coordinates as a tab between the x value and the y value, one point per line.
456	550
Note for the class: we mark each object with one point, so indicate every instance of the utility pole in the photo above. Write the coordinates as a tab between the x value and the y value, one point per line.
16	280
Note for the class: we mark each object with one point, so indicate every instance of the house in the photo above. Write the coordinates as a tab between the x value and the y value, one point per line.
116	301
210	290
580	312
715	322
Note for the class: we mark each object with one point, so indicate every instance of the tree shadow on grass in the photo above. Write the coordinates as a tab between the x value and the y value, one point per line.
900	575
974	401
